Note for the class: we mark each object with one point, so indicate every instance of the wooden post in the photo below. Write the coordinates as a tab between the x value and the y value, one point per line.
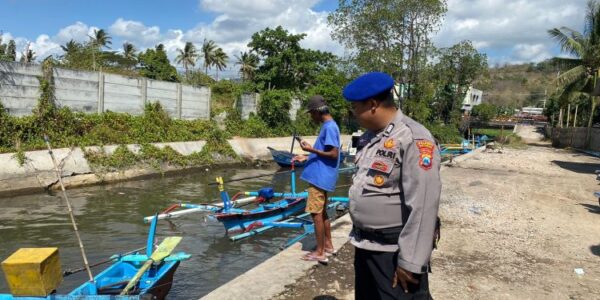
568	114
560	118
575	118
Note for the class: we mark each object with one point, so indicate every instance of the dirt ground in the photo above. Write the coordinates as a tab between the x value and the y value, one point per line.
516	225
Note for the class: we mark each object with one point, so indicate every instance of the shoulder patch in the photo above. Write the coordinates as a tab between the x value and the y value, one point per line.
425	154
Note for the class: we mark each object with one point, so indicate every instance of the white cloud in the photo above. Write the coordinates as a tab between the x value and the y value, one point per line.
506	30
509	30
44	46
78	32
135	32
529	52
258	9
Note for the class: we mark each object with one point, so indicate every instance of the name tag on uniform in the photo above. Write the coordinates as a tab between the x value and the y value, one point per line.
382	164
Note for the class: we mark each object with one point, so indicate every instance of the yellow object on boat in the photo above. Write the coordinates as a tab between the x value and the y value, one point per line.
33	271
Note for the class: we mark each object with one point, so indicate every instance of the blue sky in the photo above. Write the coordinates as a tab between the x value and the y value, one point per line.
508	31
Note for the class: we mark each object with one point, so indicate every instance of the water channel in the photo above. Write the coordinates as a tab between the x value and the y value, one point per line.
110	219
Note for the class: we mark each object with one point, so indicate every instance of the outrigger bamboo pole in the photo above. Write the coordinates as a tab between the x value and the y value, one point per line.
62	187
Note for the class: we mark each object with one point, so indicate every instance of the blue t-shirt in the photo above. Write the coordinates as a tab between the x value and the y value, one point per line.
320	171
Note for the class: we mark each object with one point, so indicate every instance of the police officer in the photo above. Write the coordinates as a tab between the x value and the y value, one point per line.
394	197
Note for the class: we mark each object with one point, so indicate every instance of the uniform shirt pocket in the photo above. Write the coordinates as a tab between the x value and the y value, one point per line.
381	176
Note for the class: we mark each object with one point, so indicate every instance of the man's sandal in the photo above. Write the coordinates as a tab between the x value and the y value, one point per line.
312	257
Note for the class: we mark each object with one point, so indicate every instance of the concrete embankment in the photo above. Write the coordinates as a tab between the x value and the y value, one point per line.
37	173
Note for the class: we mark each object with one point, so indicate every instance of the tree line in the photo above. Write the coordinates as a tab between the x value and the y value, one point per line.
393	36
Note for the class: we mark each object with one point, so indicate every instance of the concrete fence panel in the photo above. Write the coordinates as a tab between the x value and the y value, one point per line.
77	90
295	107
97	92
248	104
123	94
19	87
165	93
195	102
575	138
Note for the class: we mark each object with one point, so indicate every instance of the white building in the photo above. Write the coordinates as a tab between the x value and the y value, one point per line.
472	98
534	111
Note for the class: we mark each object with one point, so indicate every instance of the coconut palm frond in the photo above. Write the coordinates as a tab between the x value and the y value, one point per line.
569	44
571	76
572	89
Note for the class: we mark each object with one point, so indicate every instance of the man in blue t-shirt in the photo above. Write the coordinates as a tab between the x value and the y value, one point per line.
321	173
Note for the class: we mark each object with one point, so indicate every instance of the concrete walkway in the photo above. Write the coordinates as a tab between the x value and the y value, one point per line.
271	277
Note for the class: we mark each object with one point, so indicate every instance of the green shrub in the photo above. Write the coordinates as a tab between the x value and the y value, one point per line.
274	108
444	134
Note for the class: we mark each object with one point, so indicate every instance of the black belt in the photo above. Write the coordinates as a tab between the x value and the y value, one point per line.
385	236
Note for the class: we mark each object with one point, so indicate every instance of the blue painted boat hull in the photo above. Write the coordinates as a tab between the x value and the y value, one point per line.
155	284
236	220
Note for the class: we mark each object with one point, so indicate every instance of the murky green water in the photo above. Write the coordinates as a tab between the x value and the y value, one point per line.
110	220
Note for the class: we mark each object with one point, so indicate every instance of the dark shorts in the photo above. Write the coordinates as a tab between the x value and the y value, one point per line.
374	272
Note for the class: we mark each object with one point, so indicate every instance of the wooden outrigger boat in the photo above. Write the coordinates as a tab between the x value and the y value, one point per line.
149	275
236	219
267	215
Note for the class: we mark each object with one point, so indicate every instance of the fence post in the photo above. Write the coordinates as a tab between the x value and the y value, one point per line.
179	102
100	92
144	92
209	102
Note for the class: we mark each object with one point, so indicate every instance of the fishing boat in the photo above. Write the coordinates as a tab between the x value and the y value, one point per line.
234	218
153	283
284	158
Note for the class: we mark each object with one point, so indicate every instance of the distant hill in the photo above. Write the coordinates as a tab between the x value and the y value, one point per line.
517	85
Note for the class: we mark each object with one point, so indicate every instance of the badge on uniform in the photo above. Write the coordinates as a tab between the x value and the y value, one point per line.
381	166
378	180
426	154
389	144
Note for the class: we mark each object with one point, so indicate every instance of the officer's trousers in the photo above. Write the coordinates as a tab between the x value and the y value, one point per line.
374	272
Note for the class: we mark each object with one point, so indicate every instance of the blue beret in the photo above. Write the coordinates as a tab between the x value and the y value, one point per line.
367	86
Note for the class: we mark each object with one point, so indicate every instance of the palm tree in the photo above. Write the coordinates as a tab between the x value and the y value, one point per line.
129	55
584	65
129	51
220	61
208	54
187	57
98	40
248	63
101	38
70	47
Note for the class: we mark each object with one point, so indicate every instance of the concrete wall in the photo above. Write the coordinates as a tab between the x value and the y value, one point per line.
19	87
97	92
574	137
295	107
247	104
37	173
